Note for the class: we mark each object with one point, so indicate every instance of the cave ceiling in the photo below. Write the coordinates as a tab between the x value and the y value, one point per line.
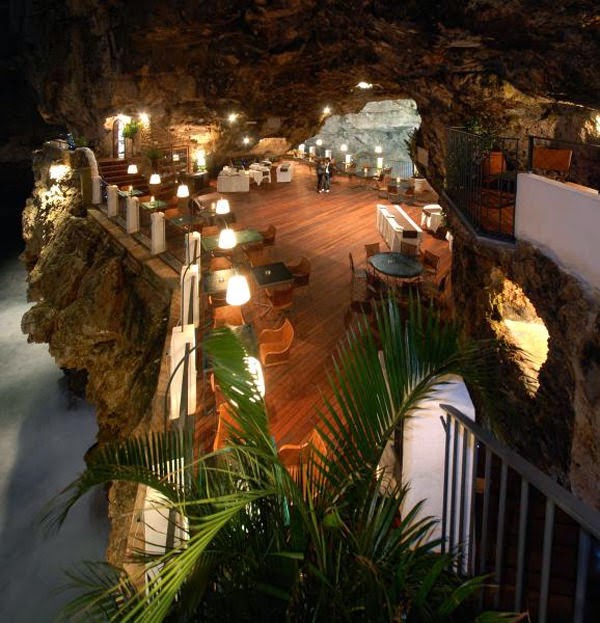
192	62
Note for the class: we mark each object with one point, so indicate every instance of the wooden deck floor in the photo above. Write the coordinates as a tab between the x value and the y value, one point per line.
324	228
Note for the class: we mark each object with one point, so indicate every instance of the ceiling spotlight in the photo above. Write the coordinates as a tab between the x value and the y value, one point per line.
232	117
246	140
344	147
364	85
327	110
319	142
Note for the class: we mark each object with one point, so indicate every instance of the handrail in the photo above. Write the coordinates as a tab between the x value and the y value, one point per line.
586	516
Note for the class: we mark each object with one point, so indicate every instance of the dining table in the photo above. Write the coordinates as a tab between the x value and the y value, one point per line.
242	236
272	275
157	204
394	264
215	282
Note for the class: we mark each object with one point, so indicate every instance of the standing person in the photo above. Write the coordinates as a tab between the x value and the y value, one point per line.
327	175
320	175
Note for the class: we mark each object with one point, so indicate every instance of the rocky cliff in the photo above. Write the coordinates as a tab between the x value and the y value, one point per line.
97	308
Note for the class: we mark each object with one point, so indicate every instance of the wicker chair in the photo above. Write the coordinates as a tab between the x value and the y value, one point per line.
274	345
411	250
268	235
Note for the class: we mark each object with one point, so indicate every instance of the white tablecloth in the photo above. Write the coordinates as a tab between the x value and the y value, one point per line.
236	183
285	172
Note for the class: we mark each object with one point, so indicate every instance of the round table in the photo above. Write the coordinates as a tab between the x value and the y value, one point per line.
395	264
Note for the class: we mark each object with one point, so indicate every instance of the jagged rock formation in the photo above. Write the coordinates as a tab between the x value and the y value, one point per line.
96	308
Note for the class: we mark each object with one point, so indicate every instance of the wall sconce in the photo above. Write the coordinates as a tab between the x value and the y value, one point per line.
238	291
175	158
319	142
328	153
348	158
378	149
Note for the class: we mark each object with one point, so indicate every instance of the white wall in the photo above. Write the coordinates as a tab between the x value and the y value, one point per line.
424	452
562	221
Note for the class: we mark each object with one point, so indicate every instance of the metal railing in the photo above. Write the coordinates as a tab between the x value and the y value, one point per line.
481	180
507	519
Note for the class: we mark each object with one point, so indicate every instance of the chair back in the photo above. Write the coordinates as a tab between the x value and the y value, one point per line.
219	263
411	250
372	249
351	262
282	297
210	230
431	260
268	235
224	424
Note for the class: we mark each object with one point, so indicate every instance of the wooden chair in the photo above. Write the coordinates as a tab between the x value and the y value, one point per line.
357	273
372	249
274	345
296	457
412	250
280	299
228	316
431	262
300	271
555	163
210	230
224	425
219	263
258	257
268	235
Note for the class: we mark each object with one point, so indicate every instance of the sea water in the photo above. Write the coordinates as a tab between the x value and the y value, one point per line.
44	434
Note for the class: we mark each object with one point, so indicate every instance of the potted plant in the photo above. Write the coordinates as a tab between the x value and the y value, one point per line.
155	155
130	131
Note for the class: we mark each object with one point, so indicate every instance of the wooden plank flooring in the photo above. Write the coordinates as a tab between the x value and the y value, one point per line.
323	227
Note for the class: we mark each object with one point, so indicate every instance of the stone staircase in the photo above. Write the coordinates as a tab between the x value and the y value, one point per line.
114	171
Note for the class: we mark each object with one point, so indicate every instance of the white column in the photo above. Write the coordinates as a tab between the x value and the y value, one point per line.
193	248
328	153
157	233
181	336
112	201
96	194
190	292
132	222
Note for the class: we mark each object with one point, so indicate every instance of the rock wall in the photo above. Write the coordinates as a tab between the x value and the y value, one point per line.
97	308
559	428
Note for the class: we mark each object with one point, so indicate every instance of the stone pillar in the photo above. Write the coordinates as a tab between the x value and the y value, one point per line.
157	229
181	336
96	190
193	247
85	179
190	294
112	201
132	221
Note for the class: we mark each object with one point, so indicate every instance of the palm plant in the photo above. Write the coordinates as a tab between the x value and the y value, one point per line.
333	543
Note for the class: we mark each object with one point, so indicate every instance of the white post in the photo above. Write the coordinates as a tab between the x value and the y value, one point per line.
112	201
181	336
192	247
96	194
190	292
132	222
157	233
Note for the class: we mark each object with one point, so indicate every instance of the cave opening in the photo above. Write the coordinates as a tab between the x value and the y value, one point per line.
520	325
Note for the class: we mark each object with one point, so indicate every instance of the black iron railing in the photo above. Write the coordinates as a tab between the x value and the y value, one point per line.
539	544
481	180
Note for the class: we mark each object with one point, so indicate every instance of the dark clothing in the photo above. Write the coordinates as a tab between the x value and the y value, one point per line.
320	176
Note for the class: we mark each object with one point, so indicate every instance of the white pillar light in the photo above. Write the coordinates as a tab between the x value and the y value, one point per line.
132	217
378	149
183	192
238	291
380	163
348	158
301	148
222	207
328	153
227	239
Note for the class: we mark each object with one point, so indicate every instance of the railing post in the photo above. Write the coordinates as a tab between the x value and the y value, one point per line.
112	200
132	221
157	232
183	340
